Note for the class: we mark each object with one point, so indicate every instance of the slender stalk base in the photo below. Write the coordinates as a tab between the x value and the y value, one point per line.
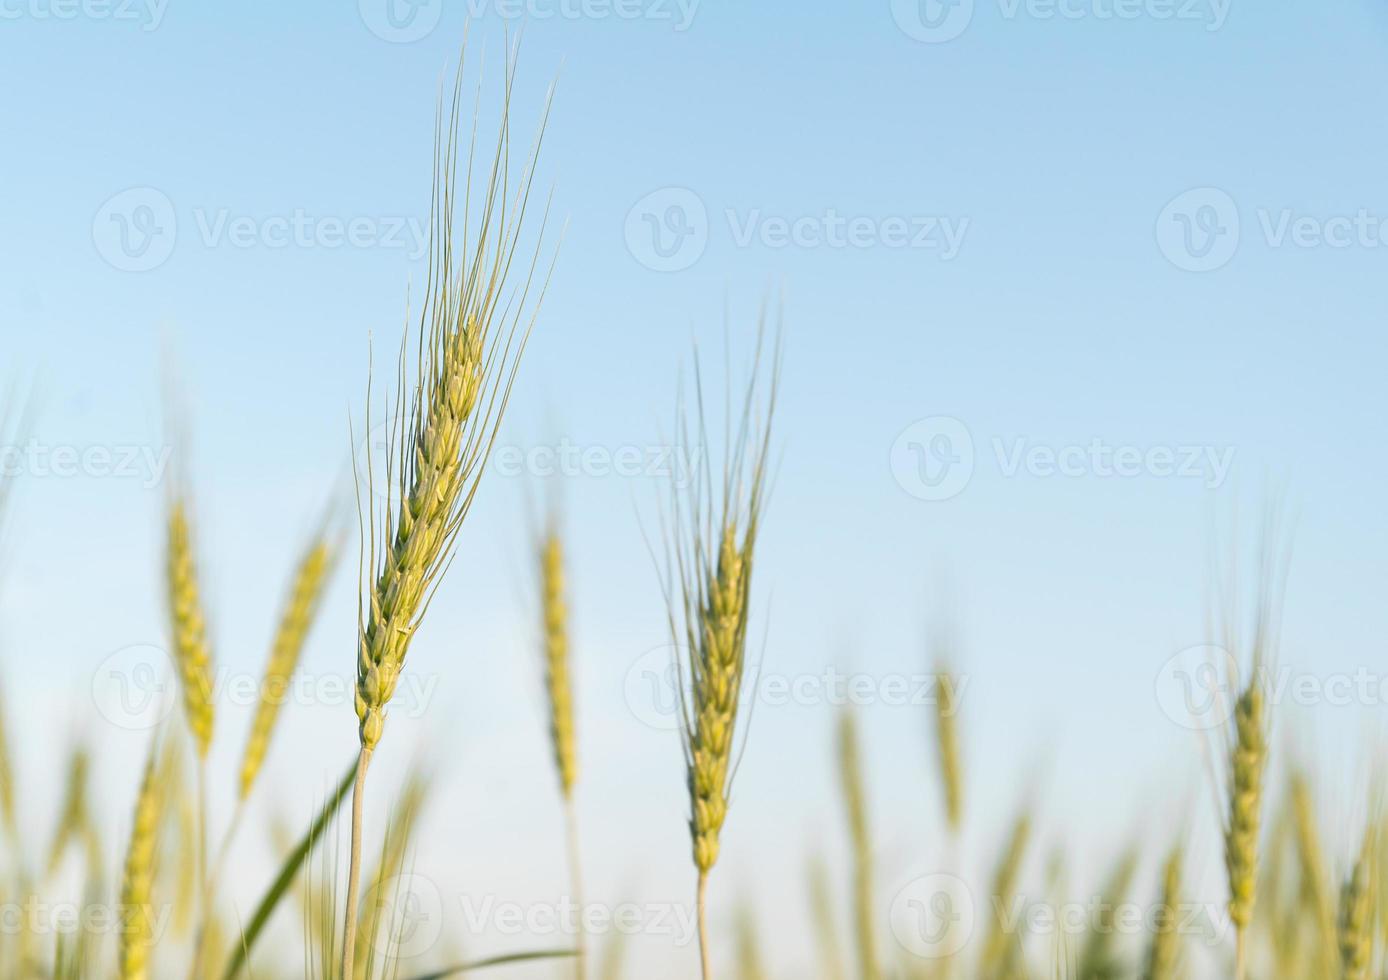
702	900
349	925
576	884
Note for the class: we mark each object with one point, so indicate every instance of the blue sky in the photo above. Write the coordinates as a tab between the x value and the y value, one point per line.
1126	226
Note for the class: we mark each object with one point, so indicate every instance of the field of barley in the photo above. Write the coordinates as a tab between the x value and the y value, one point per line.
480	495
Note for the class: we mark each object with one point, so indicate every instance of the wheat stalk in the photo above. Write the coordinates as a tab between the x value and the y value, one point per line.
855	805
305	593
137	886
470	340
712	543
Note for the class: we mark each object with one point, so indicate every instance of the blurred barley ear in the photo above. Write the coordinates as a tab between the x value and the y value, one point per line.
947	740
310	579
74	817
193	656
825	922
1248	739
1163	955
712	533
473	328
559	688
851	781
1314	894
7	778
192	652
137	932
1356	918
1000	948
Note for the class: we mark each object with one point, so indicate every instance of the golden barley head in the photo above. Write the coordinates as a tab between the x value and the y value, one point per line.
305	593
137	934
473	327
192	653
558	683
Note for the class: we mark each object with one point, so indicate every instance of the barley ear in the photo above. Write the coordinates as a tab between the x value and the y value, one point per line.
192	653
712	538
300	608
947	741
7	812
1000	947
855	805
558	684
1163	954
1356	919
137	933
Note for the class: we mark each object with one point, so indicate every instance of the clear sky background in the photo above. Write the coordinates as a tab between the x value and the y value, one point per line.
1041	234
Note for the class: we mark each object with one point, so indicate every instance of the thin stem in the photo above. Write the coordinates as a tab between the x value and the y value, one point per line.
349	927
1240	955
200	939
704	963
576	885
